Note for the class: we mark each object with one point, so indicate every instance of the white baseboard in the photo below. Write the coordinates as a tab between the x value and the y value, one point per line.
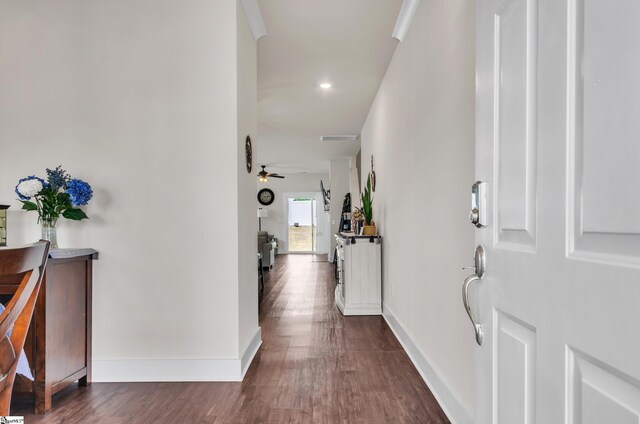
158	370
250	352
450	405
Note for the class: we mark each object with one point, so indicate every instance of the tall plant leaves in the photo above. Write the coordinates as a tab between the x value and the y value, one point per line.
367	202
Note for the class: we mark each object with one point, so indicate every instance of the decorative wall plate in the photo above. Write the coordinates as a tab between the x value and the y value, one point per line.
248	151
373	176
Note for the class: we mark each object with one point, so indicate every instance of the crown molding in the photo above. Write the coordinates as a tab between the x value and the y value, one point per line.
405	17
254	17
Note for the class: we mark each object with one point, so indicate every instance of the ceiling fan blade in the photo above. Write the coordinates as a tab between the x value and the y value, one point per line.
276	176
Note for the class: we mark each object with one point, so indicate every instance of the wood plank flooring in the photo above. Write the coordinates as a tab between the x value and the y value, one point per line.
315	366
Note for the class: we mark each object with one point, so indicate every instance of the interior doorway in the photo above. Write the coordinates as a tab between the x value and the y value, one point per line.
302	224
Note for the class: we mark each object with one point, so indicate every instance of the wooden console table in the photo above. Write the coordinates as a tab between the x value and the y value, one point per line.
58	345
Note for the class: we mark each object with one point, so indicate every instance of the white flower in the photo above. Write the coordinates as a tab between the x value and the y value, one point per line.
30	188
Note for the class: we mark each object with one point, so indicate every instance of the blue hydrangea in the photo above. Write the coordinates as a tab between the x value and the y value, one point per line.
31	177
57	178
79	191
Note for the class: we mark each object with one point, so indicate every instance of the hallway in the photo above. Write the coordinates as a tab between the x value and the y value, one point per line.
314	366
328	368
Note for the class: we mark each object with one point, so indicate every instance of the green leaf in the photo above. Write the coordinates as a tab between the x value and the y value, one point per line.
75	214
64	200
29	206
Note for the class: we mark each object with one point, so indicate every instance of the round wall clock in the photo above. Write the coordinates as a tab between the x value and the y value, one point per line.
265	197
248	150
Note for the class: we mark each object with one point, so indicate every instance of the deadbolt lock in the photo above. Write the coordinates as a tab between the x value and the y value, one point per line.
478	215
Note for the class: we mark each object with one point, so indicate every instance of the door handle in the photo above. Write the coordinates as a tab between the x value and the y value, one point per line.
479	267
465	299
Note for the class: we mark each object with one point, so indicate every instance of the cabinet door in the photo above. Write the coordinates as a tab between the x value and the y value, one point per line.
66	294
363	286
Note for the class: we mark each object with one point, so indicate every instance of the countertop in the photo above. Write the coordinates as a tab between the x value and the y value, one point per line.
72	253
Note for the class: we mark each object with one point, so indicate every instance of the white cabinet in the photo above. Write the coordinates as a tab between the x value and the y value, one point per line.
359	288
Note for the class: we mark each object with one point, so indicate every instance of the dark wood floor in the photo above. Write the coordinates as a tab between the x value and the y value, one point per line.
315	366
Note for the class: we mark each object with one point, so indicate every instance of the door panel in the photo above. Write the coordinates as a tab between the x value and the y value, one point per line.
515	137
604	105
515	368
597	394
558	144
610	110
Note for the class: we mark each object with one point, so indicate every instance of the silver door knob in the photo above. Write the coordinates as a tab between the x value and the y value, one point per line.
465	300
479	268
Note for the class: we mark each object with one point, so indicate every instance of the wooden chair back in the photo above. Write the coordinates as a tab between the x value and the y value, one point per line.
28	263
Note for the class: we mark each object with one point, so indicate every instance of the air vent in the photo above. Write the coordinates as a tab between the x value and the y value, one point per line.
342	138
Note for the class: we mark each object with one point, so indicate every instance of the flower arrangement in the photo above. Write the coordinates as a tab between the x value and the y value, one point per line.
357	214
358	220
58	196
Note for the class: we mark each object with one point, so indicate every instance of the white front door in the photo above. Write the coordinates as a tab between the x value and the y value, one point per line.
558	143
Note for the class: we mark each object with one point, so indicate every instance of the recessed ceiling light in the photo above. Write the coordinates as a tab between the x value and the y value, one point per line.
325	85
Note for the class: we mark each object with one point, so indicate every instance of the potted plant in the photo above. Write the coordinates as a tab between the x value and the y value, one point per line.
369	228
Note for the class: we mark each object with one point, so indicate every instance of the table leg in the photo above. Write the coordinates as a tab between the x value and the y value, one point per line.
43	397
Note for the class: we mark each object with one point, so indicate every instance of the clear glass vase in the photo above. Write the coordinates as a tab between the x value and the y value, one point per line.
49	232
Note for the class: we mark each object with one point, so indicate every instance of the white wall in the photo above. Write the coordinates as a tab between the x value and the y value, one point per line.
340	180
140	98
247	68
275	223
421	133
354	184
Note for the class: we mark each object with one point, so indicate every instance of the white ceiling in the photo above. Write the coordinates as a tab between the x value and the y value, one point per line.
345	42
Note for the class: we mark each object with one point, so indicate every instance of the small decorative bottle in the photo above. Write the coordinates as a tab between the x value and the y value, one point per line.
3	224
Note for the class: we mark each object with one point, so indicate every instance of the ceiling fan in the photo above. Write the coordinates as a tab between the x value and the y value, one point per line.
263	176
